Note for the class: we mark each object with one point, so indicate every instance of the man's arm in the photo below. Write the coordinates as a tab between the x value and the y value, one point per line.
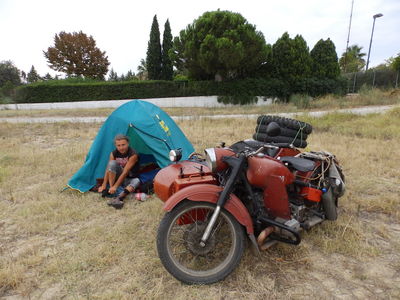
129	165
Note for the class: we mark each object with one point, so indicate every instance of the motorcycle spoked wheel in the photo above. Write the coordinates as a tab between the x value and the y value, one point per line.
179	247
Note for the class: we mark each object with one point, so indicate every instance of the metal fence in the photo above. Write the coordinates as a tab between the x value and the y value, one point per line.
374	78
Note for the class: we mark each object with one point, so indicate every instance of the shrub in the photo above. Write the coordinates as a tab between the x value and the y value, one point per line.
300	100
75	89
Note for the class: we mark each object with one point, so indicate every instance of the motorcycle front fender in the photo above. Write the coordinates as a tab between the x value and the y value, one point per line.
210	193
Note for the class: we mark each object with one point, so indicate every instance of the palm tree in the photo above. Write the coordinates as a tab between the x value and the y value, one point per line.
142	73
353	60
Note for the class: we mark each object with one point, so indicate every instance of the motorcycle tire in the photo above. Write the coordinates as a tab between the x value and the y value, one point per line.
178	245
329	205
299	134
285	122
263	137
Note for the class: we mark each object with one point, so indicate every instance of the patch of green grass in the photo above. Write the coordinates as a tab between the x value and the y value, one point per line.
375	126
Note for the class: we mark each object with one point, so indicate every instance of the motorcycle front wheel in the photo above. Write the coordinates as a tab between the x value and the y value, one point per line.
178	243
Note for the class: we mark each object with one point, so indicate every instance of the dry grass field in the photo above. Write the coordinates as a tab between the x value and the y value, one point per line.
67	245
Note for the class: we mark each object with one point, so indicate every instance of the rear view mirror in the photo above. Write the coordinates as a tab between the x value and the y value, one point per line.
273	129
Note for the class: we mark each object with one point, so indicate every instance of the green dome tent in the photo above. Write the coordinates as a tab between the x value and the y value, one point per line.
152	134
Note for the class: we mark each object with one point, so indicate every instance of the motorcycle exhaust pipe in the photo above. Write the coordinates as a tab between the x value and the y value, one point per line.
311	222
263	236
268	244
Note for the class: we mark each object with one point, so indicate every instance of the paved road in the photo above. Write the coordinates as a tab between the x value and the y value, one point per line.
359	111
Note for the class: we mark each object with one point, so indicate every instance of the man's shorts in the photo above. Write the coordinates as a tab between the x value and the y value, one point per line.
114	167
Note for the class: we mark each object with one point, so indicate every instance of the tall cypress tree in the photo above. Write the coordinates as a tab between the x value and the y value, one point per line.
166	71
153	59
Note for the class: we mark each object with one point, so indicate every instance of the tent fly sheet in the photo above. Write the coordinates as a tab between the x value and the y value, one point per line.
152	134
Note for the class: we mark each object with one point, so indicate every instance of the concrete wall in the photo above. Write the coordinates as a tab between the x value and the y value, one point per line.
201	101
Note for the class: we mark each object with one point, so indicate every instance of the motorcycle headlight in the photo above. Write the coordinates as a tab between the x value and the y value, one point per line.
211	159
175	155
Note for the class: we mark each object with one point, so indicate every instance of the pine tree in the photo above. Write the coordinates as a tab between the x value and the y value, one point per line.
166	71
324	60
290	58
130	75
219	45
32	76
153	59
113	76
47	77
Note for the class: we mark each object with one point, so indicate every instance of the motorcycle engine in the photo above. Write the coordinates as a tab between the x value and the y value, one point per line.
298	212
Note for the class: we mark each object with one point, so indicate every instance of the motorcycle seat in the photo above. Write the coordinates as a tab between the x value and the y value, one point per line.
298	163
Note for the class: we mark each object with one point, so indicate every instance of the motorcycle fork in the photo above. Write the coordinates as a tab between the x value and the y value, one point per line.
236	163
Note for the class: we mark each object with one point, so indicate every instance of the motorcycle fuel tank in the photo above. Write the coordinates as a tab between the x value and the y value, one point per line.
272	176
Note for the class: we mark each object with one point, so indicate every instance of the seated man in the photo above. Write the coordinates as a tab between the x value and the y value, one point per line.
122	170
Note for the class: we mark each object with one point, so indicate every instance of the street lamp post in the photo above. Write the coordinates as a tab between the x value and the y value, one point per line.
372	34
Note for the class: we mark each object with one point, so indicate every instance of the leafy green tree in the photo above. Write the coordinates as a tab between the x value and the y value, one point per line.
325	60
167	69
76	54
9	73
353	61
219	45
290	58
153	59
33	76
395	63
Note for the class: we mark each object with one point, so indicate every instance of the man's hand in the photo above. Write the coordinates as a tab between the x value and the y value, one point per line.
112	190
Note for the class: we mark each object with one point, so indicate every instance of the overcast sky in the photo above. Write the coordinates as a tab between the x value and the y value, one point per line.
122	27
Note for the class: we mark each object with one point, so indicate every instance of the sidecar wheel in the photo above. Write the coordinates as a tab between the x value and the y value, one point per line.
329	205
178	245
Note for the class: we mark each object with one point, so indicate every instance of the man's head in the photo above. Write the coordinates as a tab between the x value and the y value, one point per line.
121	143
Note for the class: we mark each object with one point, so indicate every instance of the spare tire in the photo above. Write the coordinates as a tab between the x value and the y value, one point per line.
263	137
299	134
285	122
